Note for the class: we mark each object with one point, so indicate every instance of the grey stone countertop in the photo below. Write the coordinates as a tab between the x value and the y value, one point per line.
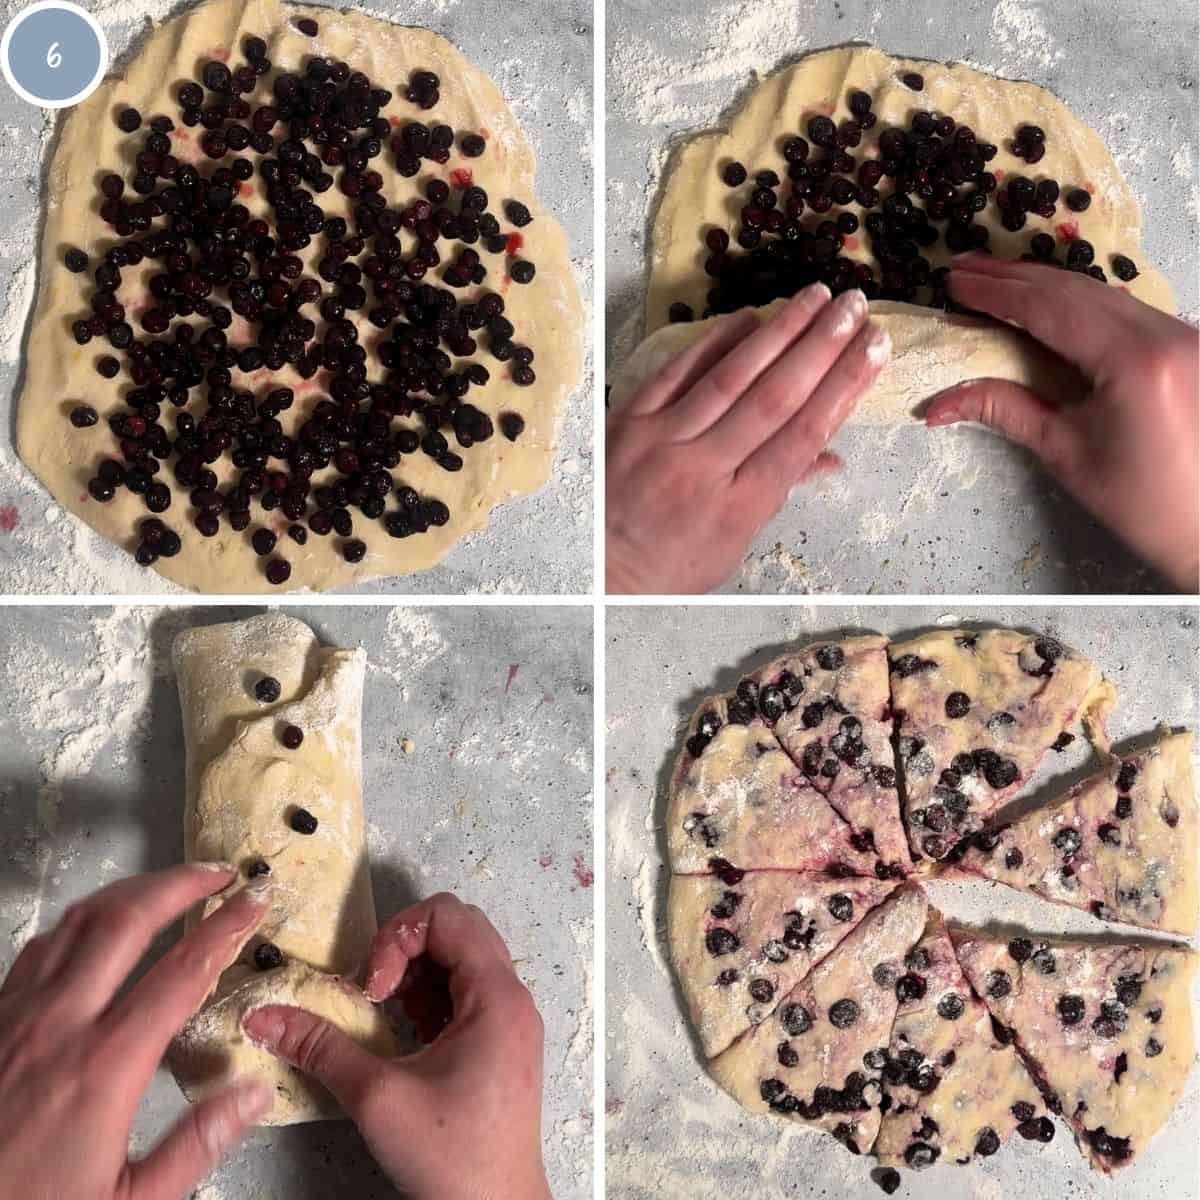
671	1132
477	734
539	53
954	511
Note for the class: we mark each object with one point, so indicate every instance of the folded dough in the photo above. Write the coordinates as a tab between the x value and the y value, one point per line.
243	787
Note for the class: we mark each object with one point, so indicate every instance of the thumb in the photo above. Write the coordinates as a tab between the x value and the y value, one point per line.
316	1047
1010	410
197	1142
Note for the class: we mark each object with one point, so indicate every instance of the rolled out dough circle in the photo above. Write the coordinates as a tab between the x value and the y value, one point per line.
931	349
59	374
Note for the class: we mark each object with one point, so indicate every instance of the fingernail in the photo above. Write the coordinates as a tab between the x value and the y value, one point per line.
267	1027
947	416
879	346
253	1099
370	985
849	308
216	867
816	289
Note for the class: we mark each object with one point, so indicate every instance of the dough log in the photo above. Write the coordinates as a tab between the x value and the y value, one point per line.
243	789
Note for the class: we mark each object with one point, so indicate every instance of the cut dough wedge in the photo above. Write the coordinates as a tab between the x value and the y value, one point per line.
741	943
838	730
244	788
743	801
809	1061
1106	1029
1122	844
954	1090
976	712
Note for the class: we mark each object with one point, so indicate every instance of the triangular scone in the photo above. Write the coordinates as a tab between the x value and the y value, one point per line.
1122	844
1106	1029
737	797
952	1089
832	713
976	712
811	1059
742	940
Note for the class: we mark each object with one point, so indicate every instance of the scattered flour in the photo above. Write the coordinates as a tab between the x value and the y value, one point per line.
18	296
1021	35
98	704
414	639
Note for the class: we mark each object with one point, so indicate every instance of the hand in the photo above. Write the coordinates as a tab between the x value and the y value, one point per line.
1128	449
75	1060
704	455
461	1118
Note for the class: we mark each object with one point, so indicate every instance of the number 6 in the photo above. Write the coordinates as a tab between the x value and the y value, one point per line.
53	58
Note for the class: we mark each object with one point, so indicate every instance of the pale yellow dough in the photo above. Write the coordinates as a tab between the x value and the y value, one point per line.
242	785
931	350
826	1055
60	374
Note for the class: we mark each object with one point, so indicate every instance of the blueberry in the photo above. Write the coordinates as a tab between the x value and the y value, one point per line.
1020	949
267	956
999	984
761	990
720	941
843	1013
920	1155
795	1019
951	1006
830	658
1070	1009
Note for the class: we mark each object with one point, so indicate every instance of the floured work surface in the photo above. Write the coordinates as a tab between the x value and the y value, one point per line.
899	506
470	786
656	1072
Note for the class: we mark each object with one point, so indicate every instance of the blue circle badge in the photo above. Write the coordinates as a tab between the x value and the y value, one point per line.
54	54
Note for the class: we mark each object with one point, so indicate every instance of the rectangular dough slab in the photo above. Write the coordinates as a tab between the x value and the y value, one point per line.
242	787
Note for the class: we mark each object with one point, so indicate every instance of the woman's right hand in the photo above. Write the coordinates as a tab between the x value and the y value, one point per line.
1129	449
461	1118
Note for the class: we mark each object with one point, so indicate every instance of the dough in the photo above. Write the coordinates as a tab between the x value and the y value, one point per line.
828	1023
840	732
1122	844
998	696
1117	1064
59	374
744	801
779	904
931	351
743	940
243	786
953	1085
